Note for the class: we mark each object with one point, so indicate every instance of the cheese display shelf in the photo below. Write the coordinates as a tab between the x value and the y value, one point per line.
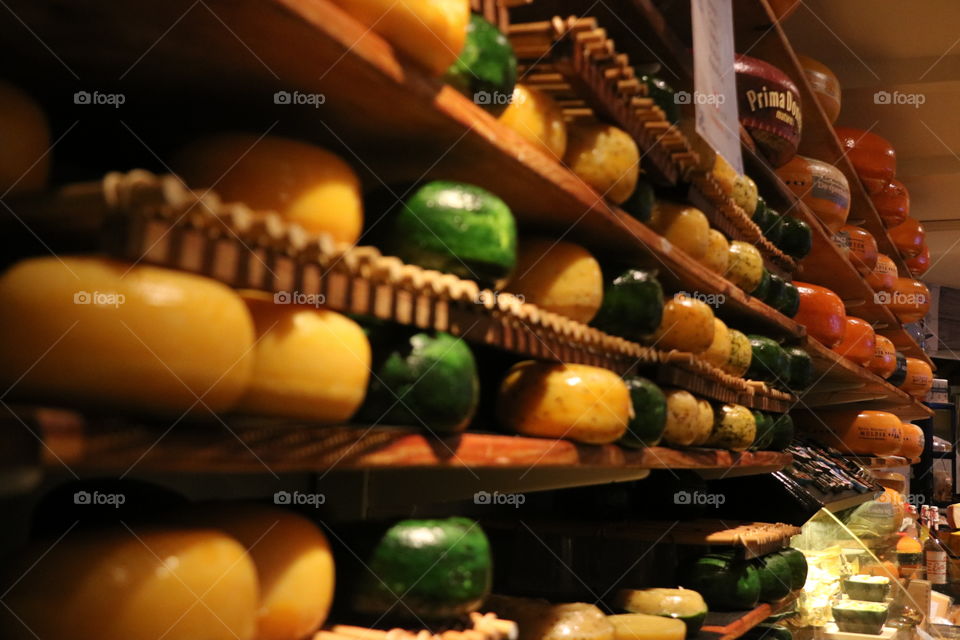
93	446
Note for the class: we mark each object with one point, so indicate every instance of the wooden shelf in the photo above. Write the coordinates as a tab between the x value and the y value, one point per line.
878	463
99	446
729	625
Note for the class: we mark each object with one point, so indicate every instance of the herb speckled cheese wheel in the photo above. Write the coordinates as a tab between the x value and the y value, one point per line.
574	401
305	184
293	561
717	257
536	117
734	428
114	584
604	157
741	354
102	333
558	276
310	364
430	32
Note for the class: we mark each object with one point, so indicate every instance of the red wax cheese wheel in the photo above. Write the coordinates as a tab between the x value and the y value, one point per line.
919	263
822	313
909	237
919	378
884	274
909	300
769	106
858	432
863	248
859	341
825	86
821	186
892	202
872	156
911	441
884	360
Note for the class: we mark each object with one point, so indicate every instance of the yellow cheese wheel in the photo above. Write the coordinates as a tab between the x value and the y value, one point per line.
746	194
430	32
293	561
574	401
741	354
604	157
140	584
705	421
725	176
919	378
642	626
558	276
858	432
718	353
310	364
536	117
96	332
686	325
684	226
25	152
689	419
717	257
305	184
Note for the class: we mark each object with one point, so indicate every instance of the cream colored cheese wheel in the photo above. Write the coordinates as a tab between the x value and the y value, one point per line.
604	157
175	584
311	364
536	117
305	184
25	152
558	276
293	560
101	333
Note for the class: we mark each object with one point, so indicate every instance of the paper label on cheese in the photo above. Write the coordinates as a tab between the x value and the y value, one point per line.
829	188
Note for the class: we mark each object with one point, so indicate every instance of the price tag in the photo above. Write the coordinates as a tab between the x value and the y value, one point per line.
714	81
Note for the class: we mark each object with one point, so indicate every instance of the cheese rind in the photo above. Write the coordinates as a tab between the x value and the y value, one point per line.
536	117
558	276
642	626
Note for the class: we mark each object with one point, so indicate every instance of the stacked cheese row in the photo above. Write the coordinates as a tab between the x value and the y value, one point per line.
867	432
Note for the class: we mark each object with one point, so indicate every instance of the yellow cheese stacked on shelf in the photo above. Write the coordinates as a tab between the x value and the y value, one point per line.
25	152
605	157
642	626
96	332
536	117
309	363
558	276
305	184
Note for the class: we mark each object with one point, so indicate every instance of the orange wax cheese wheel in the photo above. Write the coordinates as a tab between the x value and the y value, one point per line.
884	274
574	401
305	184
863	248
25	152
909	237
859	341
909	300
293	561
919	378
873	157
430	32
884	360
822	313
911	441
309	363
919	263
855	432
892	202
117	584
536	117
84	331
824	84
558	276
820	186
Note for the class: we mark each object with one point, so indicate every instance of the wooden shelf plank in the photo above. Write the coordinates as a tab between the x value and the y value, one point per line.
729	625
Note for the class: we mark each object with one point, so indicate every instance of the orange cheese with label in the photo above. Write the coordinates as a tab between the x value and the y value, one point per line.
909	237
884	274
919	263
820	186
859	341
824	84
884	360
909	300
919	378
822	313
855	432
863	248
911	442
